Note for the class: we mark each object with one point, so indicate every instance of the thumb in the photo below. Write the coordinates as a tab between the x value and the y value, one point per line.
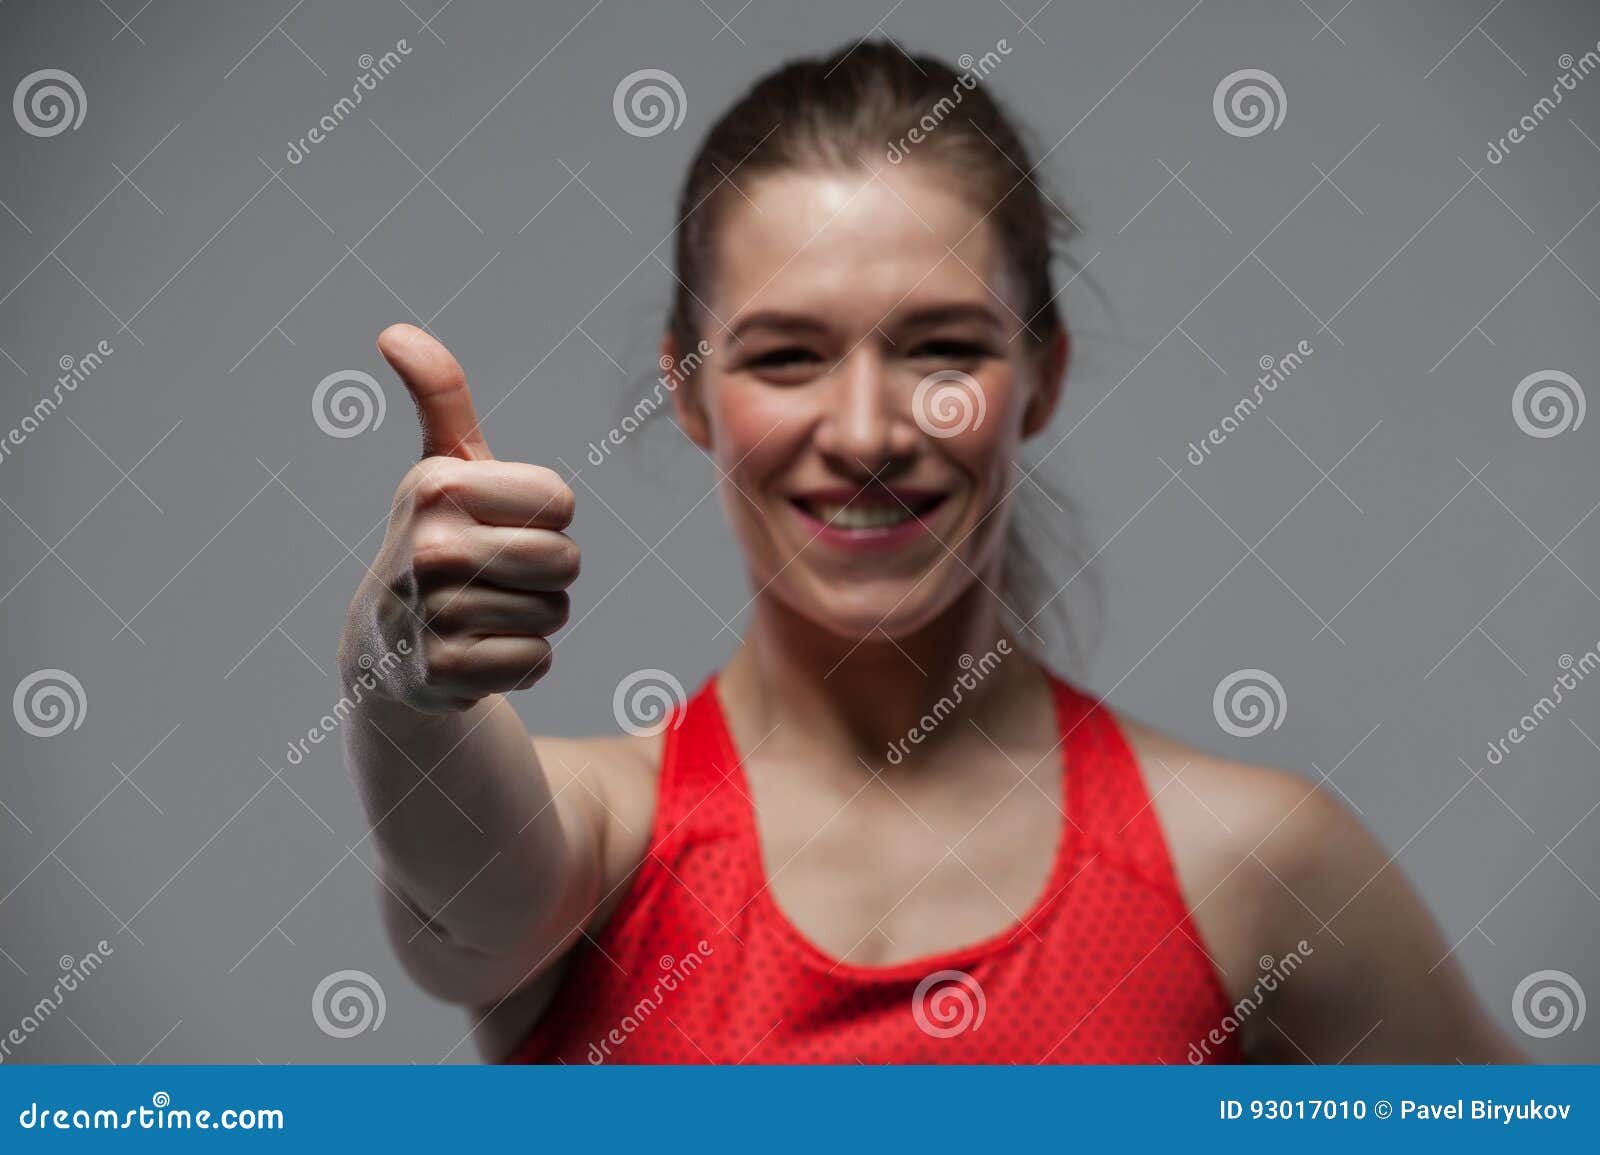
438	385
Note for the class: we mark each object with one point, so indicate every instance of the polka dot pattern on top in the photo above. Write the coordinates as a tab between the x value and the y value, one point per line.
698	965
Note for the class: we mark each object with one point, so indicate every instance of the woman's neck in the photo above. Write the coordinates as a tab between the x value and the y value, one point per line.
867	696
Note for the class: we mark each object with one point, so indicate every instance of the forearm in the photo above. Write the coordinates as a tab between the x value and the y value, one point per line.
465	819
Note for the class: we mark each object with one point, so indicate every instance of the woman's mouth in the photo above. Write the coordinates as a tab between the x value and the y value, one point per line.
873	520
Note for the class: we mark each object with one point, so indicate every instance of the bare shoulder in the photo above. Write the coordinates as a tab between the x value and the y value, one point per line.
1243	796
1218	812
1240	836
1274	865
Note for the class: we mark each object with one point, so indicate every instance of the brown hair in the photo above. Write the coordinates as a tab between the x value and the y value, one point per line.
861	103
872	100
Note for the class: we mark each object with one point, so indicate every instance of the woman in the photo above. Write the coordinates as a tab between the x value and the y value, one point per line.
885	831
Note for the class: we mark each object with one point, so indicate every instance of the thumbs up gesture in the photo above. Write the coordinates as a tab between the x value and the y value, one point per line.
474	567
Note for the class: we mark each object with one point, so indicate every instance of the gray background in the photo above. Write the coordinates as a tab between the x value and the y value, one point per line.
183	538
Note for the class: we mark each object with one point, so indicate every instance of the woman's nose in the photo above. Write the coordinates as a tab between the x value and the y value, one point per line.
867	424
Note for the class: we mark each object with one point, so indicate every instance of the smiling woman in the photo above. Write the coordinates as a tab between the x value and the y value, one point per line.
874	343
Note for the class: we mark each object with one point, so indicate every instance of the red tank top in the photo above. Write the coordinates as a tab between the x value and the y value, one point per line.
698	964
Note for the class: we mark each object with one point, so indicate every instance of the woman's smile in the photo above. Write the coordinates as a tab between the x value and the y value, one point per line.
869	519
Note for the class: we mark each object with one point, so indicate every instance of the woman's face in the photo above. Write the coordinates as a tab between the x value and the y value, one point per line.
868	385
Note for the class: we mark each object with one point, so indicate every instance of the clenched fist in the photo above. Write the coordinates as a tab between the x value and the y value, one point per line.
474	567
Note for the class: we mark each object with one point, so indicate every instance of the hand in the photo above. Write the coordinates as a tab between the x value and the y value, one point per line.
474	567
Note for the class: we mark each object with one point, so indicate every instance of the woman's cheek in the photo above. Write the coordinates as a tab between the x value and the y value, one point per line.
984	451
756	431
985	454
752	440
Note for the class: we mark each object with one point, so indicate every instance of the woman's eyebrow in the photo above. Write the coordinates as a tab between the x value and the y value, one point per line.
794	324
790	323
948	314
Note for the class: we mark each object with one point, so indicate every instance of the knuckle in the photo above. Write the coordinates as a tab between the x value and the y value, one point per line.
416	479
550	499
545	478
450	377
412	478
440	481
439	605
561	502
444	662
436	549
566	559
542	659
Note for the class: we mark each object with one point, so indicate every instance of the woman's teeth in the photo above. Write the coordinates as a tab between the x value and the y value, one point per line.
863	516
874	516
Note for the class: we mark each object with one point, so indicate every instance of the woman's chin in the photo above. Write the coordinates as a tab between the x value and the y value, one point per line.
859	612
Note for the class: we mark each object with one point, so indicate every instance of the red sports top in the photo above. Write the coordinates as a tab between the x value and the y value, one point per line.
698	964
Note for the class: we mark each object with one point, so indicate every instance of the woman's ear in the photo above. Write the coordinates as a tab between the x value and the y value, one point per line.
687	401
1050	377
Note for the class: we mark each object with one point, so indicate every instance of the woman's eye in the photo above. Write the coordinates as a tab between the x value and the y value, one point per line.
783	358
951	350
